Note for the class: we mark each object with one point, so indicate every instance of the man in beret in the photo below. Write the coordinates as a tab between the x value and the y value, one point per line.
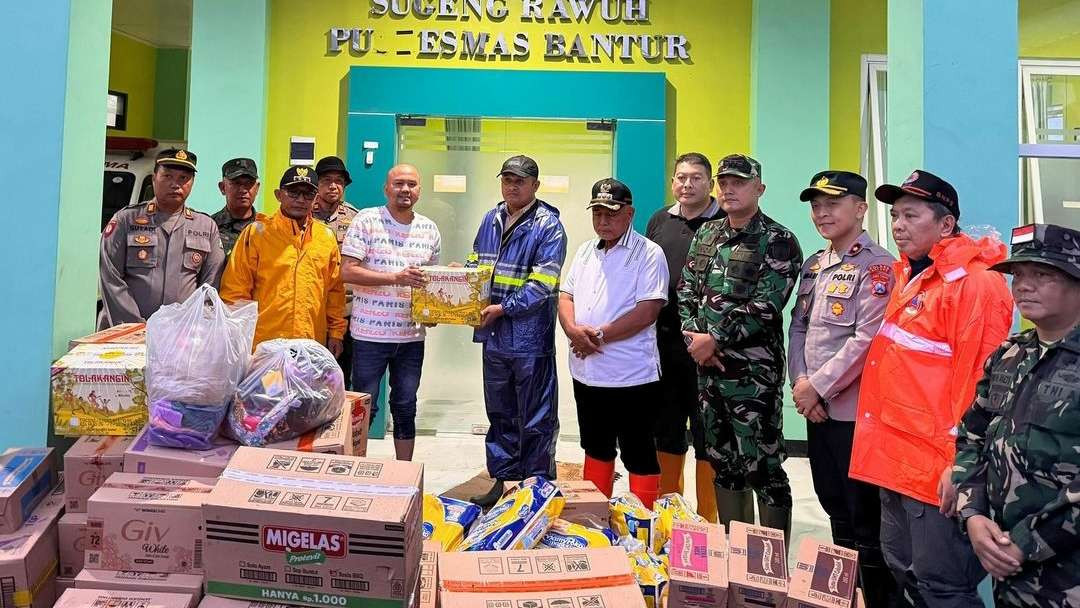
1017	461
159	251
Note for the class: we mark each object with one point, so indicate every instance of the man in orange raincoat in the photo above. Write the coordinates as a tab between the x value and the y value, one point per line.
947	313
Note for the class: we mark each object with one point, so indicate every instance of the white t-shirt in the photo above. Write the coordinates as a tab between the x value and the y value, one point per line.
382	244
606	285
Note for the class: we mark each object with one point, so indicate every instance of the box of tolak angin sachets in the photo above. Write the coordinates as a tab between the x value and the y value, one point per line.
757	566
28	557
149	523
451	295
27	475
824	576
314	529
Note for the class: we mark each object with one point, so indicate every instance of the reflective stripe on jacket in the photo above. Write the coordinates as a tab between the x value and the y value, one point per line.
924	362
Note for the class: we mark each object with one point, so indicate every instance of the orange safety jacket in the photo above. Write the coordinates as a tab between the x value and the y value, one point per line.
294	275
920	372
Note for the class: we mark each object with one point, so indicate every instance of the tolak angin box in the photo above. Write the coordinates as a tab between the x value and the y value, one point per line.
26	476
451	295
149	523
88	463
28	557
757	566
130	580
99	389
314	529
824	576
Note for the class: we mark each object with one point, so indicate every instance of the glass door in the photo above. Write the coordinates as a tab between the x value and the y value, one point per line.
874	80
1050	142
458	159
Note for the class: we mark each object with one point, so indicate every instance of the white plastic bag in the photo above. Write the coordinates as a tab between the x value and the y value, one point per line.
197	351
293	386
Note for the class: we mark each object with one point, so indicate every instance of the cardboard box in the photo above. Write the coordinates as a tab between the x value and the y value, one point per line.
211	601
334	437
451	295
26	477
101	598
99	389
74	536
314	529
88	463
126	580
757	566
428	593
825	576
585	504
540	577
698	566
145	459
147	523
361	418
125	333
28	556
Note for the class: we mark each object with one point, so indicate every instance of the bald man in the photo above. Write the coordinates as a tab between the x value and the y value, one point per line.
381	257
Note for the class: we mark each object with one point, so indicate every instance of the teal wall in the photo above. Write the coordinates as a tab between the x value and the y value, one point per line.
789	120
374	101
171	94
227	104
57	75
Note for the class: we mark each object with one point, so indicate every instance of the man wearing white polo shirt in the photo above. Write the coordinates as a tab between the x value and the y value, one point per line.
610	299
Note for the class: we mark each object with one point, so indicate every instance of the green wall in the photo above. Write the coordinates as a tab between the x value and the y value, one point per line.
171	94
132	67
857	27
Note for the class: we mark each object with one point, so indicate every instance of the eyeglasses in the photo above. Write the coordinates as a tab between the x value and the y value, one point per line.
297	194
694	178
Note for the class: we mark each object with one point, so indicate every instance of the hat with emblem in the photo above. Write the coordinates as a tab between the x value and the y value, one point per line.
520	165
304	176
835	183
1049	244
925	185
332	163
239	167
175	157
739	165
611	193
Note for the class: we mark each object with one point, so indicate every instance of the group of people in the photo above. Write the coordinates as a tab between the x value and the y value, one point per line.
941	448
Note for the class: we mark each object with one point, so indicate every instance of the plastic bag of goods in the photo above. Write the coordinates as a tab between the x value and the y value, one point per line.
630	517
671	508
196	353
448	520
649	570
519	519
567	535
293	386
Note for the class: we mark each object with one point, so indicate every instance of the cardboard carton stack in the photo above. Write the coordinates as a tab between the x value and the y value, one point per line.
28	542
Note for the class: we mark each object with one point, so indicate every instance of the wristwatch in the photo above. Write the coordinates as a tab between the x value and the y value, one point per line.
600	335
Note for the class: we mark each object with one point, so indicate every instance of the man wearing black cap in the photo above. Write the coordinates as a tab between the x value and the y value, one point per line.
523	242
1016	452
740	272
240	185
330	208
610	298
947	313
159	251
291	266
838	309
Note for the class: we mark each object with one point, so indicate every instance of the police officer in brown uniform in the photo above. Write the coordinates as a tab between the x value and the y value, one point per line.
157	252
841	301
330	208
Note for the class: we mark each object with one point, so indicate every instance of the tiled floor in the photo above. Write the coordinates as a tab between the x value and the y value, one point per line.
451	459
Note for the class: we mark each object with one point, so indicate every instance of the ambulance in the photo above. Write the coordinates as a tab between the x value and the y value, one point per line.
129	168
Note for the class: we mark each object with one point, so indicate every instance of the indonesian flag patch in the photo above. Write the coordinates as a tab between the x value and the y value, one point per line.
1023	234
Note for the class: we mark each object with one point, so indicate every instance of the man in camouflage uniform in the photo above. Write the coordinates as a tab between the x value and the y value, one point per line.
1017	462
739	274
240	185
330	208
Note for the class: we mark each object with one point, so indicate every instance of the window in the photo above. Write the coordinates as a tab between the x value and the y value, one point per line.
874	78
116	110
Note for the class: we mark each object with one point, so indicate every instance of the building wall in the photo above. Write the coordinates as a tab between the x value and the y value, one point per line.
171	94
132	68
710	95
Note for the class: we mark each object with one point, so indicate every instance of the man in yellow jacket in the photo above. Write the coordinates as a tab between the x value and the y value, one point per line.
291	266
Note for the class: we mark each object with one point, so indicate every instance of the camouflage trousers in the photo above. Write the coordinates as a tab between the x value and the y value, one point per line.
1054	583
744	438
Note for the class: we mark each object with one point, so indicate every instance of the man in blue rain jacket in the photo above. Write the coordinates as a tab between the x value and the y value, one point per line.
523	242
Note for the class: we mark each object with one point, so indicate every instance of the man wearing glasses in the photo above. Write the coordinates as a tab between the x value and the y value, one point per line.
290	264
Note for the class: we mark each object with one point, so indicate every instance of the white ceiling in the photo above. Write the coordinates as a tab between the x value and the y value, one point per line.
162	23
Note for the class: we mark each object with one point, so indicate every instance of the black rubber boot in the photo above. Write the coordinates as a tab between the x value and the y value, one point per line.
486	501
879	587
734	505
776	517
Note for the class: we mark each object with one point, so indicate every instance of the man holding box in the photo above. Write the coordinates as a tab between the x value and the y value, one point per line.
383	250
523	242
